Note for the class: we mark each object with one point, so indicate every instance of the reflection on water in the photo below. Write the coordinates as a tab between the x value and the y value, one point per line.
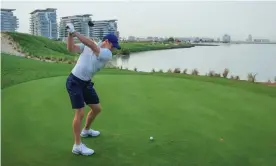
241	59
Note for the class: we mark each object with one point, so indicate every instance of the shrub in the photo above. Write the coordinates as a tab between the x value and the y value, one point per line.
237	78
125	51
268	81
153	71
135	69
185	71
211	73
225	73
232	77
217	74
160	71
177	70
53	58
195	72
121	67
169	71
251	77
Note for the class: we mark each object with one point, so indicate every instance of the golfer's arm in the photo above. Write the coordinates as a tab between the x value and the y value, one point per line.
89	43
71	45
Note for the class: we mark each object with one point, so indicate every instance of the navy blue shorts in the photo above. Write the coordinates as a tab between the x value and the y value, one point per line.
81	92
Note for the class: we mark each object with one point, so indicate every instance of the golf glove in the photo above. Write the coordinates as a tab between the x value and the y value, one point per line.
70	28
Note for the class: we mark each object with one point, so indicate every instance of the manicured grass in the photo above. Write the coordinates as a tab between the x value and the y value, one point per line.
16	70
194	120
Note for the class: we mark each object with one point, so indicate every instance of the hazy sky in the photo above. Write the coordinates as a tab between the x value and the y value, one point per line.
167	18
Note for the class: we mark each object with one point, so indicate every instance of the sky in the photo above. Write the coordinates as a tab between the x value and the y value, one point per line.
167	18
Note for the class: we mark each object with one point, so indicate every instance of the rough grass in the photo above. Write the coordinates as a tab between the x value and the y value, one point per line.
195	120
40	46
132	47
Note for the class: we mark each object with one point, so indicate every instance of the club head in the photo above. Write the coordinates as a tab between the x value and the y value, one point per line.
90	24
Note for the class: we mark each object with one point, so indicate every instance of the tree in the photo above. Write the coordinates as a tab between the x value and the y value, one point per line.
171	39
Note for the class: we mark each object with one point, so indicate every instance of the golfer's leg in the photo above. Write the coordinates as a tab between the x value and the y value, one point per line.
79	113
79	148
92	100
77	101
95	109
74	89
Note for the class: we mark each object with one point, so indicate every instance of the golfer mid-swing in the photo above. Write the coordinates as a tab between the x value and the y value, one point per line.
93	57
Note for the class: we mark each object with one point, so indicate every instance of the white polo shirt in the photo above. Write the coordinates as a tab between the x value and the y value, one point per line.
88	63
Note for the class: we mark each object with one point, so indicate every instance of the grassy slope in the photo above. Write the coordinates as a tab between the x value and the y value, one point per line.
41	46
187	119
44	47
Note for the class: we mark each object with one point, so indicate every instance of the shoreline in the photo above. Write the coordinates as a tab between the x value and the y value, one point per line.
129	48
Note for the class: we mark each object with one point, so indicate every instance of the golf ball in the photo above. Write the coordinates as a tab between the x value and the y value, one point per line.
151	138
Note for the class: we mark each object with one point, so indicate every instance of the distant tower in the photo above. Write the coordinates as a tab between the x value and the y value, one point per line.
249	38
226	38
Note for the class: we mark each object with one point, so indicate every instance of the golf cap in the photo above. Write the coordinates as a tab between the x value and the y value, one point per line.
113	39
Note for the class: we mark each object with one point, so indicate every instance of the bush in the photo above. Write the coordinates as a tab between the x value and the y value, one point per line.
153	71
185	71
211	73
160	71
124	51
225	73
217	74
169	71
195	72
237	78
135	69
251	77
177	70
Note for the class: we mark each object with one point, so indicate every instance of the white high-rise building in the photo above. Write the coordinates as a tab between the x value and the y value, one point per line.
226	38
104	27
9	22
80	23
249	39
44	23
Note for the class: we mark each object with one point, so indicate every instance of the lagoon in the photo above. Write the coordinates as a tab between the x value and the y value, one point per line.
240	59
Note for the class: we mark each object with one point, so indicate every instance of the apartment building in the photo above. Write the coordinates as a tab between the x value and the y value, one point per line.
104	27
9	22
80	23
43	22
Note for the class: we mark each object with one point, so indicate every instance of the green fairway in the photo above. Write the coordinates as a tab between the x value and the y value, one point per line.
198	121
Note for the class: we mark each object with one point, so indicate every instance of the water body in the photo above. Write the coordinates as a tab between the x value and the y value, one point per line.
240	59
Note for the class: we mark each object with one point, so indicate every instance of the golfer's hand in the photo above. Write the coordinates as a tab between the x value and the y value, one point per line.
70	28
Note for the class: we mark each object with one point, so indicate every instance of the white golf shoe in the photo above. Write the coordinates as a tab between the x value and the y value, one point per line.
90	132
82	150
